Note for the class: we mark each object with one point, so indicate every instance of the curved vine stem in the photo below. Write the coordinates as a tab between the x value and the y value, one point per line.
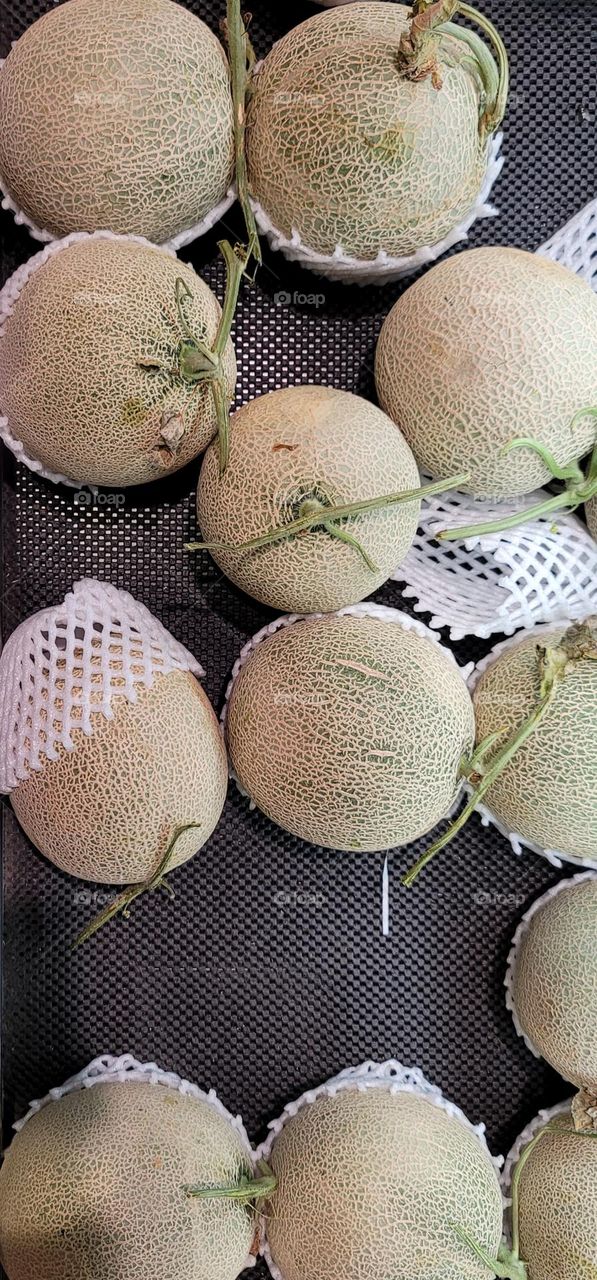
122	903
555	664
495	110
505	1266
248	1190
418	56
242	60
327	517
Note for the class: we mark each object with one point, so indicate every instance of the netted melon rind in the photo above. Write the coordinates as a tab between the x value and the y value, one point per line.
591	514
133	459
547	1007
390	1076
545	1116
98	139
556	857
379	824
233	1233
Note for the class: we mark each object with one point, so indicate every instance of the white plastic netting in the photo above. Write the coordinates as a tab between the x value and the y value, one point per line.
64	666
496	584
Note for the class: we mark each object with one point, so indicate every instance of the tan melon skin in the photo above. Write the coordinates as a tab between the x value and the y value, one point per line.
108	810
548	792
116	115
591	514
349	732
491	345
558	1207
92	1188
304	441
345	150
554	985
369	1184
74	391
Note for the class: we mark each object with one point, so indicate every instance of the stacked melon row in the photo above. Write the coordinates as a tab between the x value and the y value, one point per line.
127	1172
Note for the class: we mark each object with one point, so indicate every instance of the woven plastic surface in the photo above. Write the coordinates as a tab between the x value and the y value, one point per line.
269	973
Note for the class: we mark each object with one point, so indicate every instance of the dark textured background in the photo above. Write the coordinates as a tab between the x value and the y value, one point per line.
269	973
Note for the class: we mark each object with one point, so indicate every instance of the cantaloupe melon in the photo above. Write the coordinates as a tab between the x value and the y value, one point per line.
101	363
293	452
557	1205
365	136
552	980
591	514
492	345
116	114
349	731
371	1184
547	793
95	1187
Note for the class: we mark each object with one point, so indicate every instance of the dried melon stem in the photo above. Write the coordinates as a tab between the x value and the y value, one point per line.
121	904
584	1111
580	487
555	663
420	46
317	514
247	1190
242	60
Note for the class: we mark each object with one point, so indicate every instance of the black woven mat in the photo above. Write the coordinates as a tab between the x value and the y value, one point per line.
269	973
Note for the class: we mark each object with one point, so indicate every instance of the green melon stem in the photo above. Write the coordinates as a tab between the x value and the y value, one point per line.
495	107
555	664
418	56
326	516
122	903
247	1190
242	60
505	1266
581	487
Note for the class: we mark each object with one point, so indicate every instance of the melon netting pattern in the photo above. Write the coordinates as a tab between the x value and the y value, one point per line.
269	972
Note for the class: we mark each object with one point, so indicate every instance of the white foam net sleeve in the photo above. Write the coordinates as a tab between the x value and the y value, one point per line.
575	245
64	665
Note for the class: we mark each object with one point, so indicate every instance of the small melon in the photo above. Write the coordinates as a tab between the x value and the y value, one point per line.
558	1206
493	344
289	450
95	1185
109	395
371	1183
348	150
554	981
548	792
117	115
349	731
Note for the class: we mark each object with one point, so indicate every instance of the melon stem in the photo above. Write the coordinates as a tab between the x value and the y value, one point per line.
325	516
418	56
123	901
242	60
246	1189
495	109
505	1266
555	665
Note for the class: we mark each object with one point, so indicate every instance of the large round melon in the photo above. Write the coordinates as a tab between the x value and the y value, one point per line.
288	450
107	810
548	792
116	114
349	731
92	374
371	1183
93	1187
344	149
491	345
558	1207
554	982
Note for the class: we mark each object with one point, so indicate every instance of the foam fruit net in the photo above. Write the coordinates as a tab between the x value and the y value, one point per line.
64	665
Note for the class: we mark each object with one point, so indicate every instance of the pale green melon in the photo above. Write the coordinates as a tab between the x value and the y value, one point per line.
116	114
349	731
293	448
554	982
491	345
548	792
95	363
345	149
558	1207
93	1187
370	1185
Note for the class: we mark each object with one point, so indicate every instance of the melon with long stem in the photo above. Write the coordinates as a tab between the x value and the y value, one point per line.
101	1184
374	1183
488	364
368	126
117	115
349	731
319	502
138	375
